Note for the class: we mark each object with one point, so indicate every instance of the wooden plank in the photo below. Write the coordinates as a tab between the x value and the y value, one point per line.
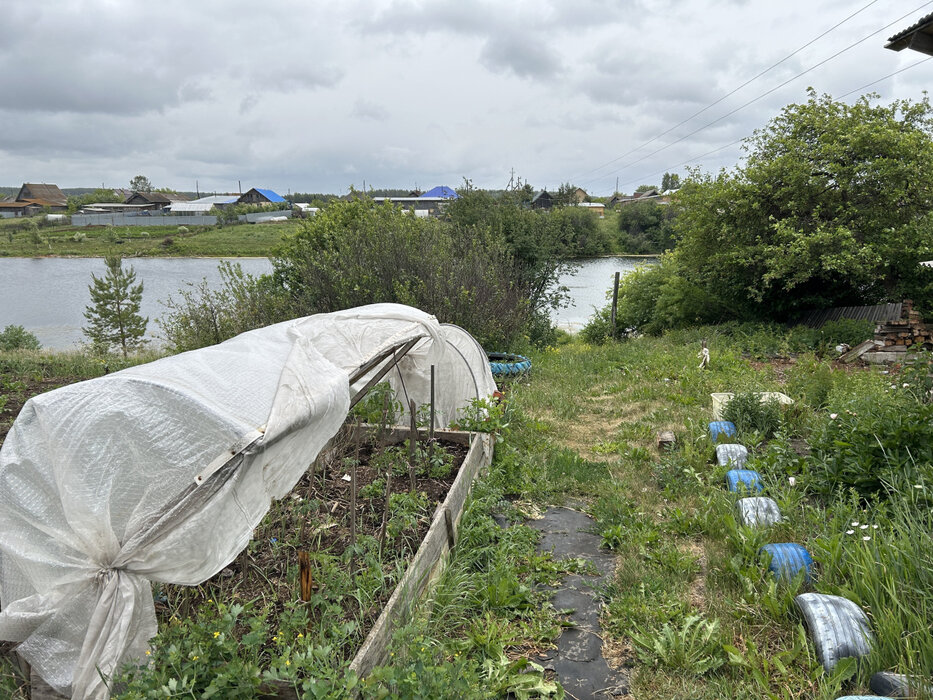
399	433
428	561
40	690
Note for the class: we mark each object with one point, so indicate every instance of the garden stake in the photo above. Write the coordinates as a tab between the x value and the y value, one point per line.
305	579
412	444
385	512
356	461
431	425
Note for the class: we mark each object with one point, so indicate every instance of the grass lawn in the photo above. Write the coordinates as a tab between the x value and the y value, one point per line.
17	239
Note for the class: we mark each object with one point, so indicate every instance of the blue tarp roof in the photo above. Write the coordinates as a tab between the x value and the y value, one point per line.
441	191
270	195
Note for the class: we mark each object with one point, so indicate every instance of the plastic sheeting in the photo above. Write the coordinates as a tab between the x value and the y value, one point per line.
161	472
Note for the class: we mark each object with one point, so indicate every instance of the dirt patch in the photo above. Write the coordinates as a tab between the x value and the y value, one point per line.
697	592
316	517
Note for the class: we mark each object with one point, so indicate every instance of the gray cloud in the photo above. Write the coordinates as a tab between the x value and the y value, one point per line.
316	97
524	56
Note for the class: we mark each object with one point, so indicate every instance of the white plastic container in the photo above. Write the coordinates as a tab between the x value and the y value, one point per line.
722	398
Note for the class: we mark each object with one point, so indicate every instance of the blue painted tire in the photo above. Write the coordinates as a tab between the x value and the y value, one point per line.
505	365
721	427
838	627
744	480
787	560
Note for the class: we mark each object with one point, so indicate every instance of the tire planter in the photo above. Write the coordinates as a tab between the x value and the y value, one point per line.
897	685
731	455
721	427
507	365
743	481
837	626
758	511
787	560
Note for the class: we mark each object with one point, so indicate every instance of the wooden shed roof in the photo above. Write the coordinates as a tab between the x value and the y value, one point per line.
880	313
48	194
918	36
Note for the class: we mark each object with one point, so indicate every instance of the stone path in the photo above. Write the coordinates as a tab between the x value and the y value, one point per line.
578	660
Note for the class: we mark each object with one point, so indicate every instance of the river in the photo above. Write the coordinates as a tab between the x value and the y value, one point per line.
48	295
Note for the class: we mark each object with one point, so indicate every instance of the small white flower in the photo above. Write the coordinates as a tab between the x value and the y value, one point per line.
791	480
918	486
864	527
874	527
833	416
906	385
855	523
866	538
850	532
894	386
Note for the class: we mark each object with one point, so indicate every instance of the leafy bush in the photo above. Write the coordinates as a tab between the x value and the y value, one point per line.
750	414
355	253
203	316
18	338
871	440
646	227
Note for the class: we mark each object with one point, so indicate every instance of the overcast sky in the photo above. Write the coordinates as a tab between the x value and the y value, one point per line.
315	97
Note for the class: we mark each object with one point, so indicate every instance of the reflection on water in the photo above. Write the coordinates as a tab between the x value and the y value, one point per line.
591	288
48	295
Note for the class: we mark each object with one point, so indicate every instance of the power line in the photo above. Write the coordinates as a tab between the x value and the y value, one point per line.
764	94
889	75
729	94
643	178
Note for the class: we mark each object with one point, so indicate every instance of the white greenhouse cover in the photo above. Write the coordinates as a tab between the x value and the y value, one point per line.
162	471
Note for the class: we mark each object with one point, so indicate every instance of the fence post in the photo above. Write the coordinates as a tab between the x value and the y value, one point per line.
615	298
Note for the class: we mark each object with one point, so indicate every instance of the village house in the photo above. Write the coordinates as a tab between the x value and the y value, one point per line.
428	204
260	196
34	198
542	200
154	200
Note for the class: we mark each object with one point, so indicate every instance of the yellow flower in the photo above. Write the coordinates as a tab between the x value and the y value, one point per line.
300	635
275	639
216	634
288	663
148	653
194	658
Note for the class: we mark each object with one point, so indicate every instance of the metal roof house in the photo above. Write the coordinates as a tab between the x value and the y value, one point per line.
428	204
155	200
918	36
204	204
260	196
442	191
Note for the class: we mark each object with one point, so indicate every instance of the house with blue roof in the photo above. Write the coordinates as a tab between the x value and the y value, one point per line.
260	196
442	192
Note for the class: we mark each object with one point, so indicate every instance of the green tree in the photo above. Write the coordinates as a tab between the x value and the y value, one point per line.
113	315
141	183
18	338
832	207
645	188
670	181
646	227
